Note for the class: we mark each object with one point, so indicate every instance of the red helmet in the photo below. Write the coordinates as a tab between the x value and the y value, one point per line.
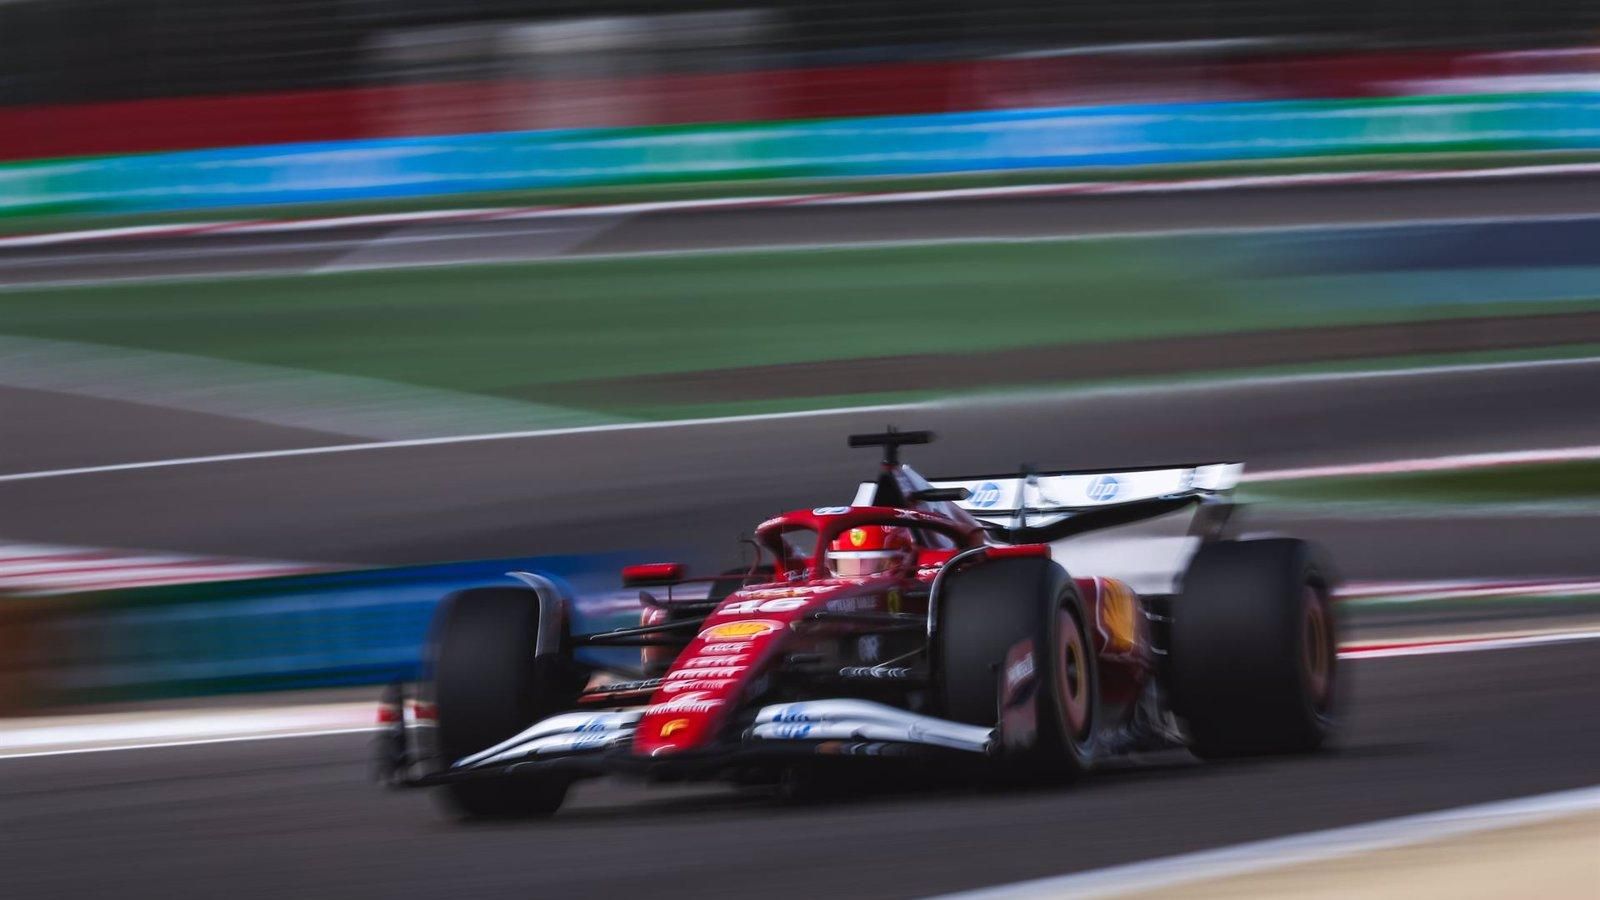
870	549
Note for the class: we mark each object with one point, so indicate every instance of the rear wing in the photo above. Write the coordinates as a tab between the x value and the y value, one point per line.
1048	506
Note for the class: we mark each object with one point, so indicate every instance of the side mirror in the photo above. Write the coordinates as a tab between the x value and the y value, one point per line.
646	574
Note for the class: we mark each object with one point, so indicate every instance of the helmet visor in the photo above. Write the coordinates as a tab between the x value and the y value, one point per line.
863	562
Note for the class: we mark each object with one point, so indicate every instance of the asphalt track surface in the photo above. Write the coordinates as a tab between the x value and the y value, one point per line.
695	488
1064	363
295	817
378	246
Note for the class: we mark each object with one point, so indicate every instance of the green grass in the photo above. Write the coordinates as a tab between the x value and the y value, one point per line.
23	224
1544	482
506	329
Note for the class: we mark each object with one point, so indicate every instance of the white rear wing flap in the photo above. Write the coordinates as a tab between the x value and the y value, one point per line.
1050	505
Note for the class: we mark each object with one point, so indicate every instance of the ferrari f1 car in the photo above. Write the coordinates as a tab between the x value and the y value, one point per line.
928	622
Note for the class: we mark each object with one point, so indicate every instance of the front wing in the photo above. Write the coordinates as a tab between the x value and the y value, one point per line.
598	743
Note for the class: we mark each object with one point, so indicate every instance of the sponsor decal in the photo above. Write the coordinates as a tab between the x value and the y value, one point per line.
696	684
796	713
723	648
858	603
1104	488
784	592
673	726
858	536
868	647
1019	725
875	672
625	686
686	702
593	725
720	659
744	607
706	672
1019	671
985	495
791	732
744	630
830	510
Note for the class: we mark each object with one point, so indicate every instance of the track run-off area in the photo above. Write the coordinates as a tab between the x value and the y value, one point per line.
1426	730
269	818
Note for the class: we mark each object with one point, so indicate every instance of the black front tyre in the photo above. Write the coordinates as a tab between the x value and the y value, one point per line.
1255	649
487	686
986	610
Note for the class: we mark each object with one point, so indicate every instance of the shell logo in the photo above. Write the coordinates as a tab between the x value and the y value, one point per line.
858	536
673	727
744	630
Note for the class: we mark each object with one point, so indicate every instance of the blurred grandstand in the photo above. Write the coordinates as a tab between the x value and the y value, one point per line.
105	76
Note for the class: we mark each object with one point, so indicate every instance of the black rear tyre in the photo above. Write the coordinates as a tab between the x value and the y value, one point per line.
487	686
983	613
1255	649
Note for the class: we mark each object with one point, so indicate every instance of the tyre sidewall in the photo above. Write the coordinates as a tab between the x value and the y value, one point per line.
1070	752
1238	648
487	685
986	610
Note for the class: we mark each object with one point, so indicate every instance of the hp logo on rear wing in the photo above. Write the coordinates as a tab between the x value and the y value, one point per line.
1104	489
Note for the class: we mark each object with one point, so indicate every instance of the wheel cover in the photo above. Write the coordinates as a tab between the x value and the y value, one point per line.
1317	648
1073	676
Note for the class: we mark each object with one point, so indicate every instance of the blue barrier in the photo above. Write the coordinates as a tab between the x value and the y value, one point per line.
303	631
1130	135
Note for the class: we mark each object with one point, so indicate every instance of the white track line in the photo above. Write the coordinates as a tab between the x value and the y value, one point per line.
1229	383
36	240
1413	591
38	569
138	731
1174	871
198	742
1454	463
100	732
580	257
452	439
1095	188
286	247
1436	646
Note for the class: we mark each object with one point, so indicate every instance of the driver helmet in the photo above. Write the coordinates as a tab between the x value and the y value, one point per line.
869	550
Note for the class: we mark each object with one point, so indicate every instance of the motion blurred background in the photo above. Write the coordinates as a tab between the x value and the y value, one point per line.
87	78
313	311
96	76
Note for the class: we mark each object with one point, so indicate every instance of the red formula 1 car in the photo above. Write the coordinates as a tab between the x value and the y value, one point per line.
926	624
